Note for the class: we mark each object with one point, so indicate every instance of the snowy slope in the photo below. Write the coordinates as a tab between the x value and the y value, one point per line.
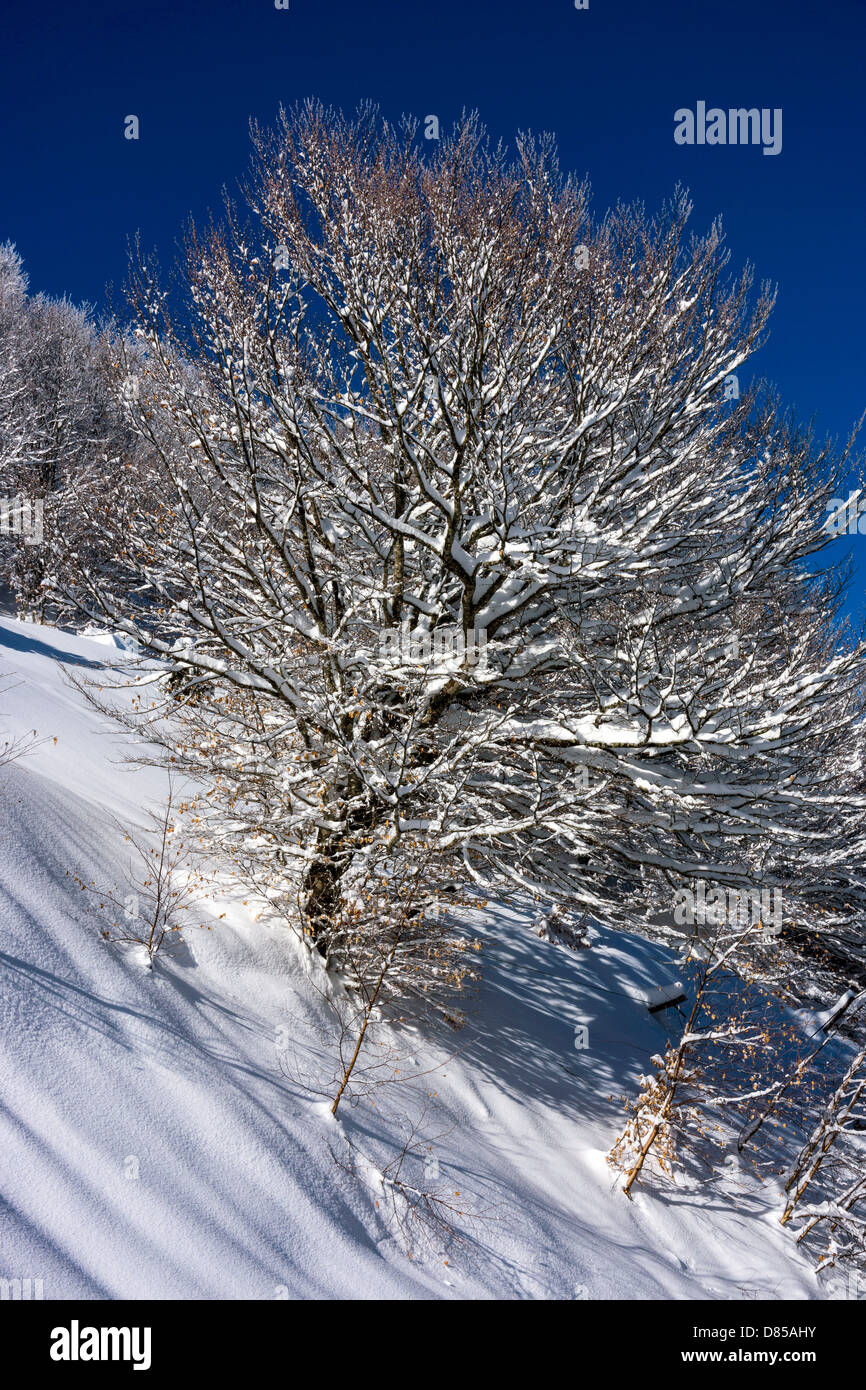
154	1139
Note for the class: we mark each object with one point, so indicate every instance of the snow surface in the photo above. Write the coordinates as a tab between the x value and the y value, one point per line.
181	1076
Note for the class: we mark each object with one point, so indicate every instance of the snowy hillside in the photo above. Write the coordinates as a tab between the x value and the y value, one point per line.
155	1141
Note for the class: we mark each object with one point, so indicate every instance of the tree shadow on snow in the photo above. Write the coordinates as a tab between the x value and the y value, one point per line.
522	1033
19	642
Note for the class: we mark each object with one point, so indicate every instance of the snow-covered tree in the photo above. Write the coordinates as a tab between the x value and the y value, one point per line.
13	326
460	534
61	434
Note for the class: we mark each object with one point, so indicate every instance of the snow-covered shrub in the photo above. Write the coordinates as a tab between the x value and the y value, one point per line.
826	1185
564	928
150	909
722	1063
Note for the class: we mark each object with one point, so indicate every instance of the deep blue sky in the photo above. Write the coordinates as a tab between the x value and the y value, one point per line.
607	81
